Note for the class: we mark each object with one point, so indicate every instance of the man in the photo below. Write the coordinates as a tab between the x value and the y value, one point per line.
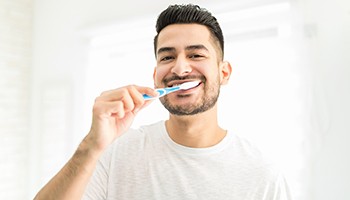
188	156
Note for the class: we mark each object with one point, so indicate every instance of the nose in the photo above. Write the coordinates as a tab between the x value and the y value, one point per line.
181	66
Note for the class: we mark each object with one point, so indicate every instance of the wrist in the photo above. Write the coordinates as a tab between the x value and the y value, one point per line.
84	158
88	147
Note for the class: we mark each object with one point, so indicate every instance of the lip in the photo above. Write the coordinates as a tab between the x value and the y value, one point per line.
189	91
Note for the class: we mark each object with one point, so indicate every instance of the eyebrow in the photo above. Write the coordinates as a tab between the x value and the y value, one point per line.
197	46
188	48
165	49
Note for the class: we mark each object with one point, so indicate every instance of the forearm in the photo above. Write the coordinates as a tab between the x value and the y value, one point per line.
71	180
113	113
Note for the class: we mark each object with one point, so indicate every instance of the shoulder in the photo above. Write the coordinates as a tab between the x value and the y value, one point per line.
266	174
254	160
246	148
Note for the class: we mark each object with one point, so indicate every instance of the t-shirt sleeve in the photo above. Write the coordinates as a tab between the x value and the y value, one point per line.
281	191
273	189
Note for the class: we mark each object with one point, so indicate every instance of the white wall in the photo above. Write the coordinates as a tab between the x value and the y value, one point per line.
15	65
329	29
59	60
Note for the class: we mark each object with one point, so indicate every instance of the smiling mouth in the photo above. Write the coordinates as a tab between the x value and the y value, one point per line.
179	83
199	83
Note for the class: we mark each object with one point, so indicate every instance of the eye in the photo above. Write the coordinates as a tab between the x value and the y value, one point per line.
166	58
196	56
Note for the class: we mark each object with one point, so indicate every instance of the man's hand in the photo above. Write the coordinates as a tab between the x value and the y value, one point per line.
114	112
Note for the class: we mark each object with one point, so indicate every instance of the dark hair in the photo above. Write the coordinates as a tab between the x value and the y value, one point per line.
187	14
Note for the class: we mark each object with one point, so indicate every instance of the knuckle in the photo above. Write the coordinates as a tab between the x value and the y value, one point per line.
130	87
97	99
123	91
129	106
96	108
104	93
139	101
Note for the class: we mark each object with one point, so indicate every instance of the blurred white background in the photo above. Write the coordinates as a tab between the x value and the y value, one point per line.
289	93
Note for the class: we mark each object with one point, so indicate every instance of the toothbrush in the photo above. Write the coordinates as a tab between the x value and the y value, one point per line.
165	91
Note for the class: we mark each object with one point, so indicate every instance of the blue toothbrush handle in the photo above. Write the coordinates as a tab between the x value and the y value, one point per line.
147	97
161	92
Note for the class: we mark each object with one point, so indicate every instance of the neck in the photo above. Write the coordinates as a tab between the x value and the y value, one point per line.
198	131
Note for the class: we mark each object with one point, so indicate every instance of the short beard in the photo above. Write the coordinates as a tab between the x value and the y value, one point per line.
208	101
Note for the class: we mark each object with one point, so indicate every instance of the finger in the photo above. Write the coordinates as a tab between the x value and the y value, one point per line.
117	94
147	90
128	101
142	103
108	109
131	97
112	95
137	98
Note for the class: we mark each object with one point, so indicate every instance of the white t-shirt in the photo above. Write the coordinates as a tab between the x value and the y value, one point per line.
147	164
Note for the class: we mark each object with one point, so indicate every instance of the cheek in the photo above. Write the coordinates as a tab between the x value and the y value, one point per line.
160	73
209	71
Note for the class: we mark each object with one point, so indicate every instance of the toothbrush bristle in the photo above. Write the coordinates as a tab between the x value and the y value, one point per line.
189	85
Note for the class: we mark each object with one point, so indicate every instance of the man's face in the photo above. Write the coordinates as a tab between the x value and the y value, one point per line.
186	52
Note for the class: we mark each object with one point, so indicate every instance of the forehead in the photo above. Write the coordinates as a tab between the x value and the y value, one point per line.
182	35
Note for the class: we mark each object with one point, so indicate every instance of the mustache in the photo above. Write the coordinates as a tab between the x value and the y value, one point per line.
181	78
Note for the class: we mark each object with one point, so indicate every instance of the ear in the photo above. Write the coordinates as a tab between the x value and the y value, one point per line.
225	72
154	76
